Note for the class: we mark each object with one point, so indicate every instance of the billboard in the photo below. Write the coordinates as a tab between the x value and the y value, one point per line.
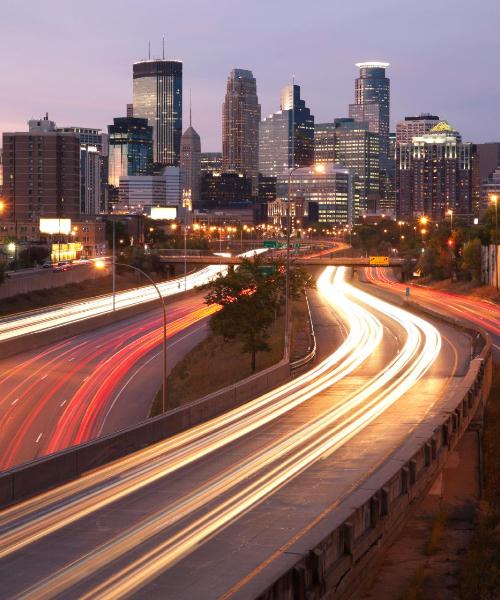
55	226
166	213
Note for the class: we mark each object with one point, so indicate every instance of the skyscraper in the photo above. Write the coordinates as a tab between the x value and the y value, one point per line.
372	102
158	98
240	125
437	172
324	142
191	164
130	149
286	138
358	149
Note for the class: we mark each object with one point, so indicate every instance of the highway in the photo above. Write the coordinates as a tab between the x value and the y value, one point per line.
94	383
484	313
222	502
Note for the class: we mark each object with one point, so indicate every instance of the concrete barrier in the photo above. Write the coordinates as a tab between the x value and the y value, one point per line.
42	474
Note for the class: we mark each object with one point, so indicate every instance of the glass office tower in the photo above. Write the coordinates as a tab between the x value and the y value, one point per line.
130	148
158	98
372	103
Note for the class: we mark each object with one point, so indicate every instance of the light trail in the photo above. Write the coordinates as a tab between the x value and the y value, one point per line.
304	446
57	316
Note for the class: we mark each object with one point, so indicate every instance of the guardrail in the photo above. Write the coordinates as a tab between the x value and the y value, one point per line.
311	351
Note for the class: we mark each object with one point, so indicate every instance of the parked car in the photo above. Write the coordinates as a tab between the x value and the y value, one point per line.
62	266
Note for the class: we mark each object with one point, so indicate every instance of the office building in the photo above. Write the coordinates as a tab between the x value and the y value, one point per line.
357	148
324	142
138	194
158	98
90	180
435	173
41	169
130	148
191	165
211	162
414	127
286	138
130	110
88	136
372	102
225	189
240	125
327	192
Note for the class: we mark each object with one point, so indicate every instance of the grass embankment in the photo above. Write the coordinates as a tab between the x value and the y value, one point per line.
97	286
214	364
480	571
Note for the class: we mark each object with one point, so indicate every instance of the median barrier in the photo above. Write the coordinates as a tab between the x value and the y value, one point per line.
35	341
42	474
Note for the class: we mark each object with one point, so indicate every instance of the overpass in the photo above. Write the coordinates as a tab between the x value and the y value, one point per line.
324	261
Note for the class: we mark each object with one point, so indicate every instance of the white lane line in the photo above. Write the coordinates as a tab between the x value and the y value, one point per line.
495	346
63	403
38	438
14	401
44	376
85	378
136	372
71	359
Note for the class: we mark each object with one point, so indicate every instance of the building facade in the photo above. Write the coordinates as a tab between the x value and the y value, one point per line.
330	190
130	149
157	97
225	189
435	173
191	165
372	102
286	138
324	142
211	162
90	180
240	125
138	194
41	170
415	126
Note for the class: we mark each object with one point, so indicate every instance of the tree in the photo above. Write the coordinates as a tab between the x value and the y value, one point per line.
250	297
471	260
33	255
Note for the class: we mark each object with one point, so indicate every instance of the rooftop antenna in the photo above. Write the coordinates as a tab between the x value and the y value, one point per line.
149	50
189	107
163	46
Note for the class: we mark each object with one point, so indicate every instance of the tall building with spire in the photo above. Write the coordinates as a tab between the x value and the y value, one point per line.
372	103
158	98
191	164
240	125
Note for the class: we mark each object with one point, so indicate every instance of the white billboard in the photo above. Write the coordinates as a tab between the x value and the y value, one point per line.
166	213
55	226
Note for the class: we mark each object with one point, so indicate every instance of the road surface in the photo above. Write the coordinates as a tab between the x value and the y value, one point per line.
210	512
93	383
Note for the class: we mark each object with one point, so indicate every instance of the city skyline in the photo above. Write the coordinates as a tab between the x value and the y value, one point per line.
423	79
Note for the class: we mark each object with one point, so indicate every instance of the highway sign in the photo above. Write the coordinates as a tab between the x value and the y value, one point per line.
267	269
379	261
270	244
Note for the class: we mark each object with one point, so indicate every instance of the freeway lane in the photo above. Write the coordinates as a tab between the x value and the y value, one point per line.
219	500
77	389
484	313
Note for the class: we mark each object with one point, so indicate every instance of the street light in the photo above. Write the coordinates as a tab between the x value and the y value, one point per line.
494	200
450	214
100	264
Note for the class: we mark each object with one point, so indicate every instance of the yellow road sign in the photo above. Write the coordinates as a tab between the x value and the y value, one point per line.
379	261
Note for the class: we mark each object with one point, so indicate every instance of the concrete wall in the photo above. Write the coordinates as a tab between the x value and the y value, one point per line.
44	279
42	474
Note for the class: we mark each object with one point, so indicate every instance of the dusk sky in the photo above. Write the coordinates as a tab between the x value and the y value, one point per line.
74	59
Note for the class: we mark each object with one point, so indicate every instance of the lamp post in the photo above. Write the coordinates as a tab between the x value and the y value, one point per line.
287	273
494	199
185	255
450	213
100	264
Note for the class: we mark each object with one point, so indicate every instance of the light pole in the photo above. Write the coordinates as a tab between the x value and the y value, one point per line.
100	264
450	213
494	199
287	273
113	270
185	257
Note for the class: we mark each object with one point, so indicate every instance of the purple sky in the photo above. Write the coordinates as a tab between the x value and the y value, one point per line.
74	59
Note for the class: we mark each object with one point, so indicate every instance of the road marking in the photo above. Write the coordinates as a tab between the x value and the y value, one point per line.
14	402
85	378
44	376
495	346
70	359
99	346
63	403
38	438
